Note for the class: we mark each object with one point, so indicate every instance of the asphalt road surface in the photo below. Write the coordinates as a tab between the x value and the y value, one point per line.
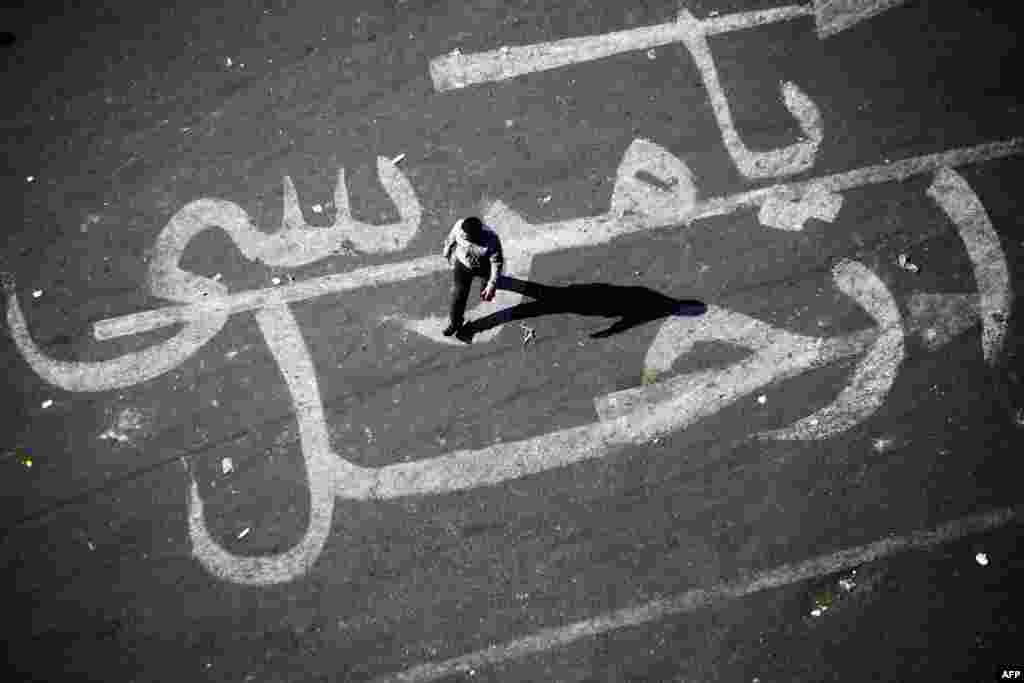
236	447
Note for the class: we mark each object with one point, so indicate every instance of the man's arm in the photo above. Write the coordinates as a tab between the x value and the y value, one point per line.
449	242
497	263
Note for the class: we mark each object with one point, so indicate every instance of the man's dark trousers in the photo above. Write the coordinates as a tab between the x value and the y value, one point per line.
462	280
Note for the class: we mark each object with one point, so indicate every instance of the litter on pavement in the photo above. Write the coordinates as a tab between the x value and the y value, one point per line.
762	399
47	403
881	444
90	219
529	334
398	158
982	559
318	208
905	263
227	466
36	294
244	532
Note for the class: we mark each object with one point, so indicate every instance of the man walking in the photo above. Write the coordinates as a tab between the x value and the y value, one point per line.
474	250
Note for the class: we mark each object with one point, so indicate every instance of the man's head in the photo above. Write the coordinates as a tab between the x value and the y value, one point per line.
473	227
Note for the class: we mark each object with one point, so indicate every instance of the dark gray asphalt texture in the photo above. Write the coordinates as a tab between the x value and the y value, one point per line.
126	112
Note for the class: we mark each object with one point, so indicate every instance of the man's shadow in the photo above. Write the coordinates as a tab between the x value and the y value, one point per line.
632	305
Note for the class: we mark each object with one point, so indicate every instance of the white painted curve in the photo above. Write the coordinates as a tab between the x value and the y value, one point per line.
991	271
124	371
874	375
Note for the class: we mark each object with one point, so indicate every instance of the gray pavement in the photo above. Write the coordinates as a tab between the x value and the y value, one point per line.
124	115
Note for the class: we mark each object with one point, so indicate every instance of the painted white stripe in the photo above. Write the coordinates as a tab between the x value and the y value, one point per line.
330	475
783	213
286	343
787	160
123	371
459	71
656	411
524	241
833	16
137	323
302	241
692	600
543	238
867	175
991	272
778	355
867	389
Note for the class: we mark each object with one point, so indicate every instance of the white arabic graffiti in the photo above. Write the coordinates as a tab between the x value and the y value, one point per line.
633	416
458	71
294	244
628	417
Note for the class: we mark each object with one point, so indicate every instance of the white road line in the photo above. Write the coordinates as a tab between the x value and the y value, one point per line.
459	71
783	161
330	475
868	175
692	600
991	273
285	341
371	276
833	16
866	390
549	237
455	70
778	355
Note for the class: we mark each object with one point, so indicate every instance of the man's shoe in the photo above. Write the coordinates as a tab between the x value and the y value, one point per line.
451	329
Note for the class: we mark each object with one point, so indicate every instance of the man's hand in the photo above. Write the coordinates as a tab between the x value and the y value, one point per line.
487	293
